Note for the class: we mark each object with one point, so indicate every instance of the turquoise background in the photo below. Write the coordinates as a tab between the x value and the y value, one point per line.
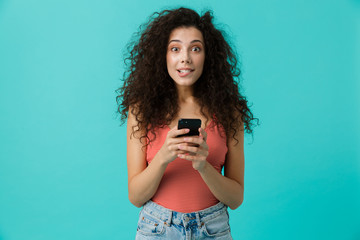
63	154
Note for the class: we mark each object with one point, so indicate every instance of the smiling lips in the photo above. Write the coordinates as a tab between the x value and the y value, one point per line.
183	72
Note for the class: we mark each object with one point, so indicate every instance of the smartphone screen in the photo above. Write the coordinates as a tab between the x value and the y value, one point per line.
190	123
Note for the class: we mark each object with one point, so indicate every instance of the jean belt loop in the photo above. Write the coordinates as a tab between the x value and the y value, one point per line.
169	220
198	220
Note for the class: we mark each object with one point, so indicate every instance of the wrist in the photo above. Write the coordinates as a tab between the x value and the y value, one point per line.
204	168
162	158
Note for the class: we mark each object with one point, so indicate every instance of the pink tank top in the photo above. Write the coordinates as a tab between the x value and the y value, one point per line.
182	189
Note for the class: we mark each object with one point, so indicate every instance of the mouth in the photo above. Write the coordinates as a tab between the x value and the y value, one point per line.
188	70
183	72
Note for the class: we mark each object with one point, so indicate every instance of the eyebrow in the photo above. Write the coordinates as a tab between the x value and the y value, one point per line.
176	40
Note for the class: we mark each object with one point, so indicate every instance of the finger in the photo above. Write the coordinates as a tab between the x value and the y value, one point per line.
189	148
188	153
176	148
195	140
183	142
193	150
203	134
191	157
176	132
203	147
180	152
186	157
177	141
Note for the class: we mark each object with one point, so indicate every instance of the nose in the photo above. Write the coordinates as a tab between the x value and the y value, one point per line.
185	57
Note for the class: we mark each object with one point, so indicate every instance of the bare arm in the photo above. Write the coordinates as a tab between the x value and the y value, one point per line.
143	179
228	189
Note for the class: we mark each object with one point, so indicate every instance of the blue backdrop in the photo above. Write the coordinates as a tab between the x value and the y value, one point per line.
63	154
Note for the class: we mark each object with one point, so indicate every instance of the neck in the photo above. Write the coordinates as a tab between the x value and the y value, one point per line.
185	94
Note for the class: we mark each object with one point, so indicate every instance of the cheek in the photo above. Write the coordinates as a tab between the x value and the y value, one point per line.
170	60
170	65
200	57
200	61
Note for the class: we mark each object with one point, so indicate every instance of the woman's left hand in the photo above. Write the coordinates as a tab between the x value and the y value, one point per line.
197	149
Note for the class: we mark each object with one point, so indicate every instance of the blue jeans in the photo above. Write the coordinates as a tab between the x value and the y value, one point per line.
157	222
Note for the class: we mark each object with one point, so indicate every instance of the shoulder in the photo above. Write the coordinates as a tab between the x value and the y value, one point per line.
133	126
237	136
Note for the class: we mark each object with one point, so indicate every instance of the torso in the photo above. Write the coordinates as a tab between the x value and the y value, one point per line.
182	189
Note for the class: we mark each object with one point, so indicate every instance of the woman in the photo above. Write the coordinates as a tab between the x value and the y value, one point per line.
182	67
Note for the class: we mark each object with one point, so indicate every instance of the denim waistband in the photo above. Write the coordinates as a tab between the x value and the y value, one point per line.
172	217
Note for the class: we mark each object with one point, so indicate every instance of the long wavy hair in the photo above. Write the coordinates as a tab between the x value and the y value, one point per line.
148	86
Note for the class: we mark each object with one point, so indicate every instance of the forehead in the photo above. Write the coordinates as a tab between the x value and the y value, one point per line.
186	34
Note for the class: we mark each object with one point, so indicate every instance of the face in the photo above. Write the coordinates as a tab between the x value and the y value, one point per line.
185	55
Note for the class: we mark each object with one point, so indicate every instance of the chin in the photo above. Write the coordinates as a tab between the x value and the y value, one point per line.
186	83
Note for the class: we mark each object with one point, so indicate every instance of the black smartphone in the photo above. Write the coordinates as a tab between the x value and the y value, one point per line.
192	124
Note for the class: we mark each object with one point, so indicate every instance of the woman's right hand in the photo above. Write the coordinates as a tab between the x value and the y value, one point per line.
170	148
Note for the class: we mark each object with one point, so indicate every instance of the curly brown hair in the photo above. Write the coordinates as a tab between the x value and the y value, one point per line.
148	86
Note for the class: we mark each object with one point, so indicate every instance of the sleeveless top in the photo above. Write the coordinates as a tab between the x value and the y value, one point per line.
182	189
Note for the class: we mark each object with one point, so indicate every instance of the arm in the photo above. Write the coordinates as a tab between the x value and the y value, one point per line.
143	179
228	189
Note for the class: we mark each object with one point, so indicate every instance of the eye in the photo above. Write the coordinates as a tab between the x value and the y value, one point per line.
174	49
196	49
